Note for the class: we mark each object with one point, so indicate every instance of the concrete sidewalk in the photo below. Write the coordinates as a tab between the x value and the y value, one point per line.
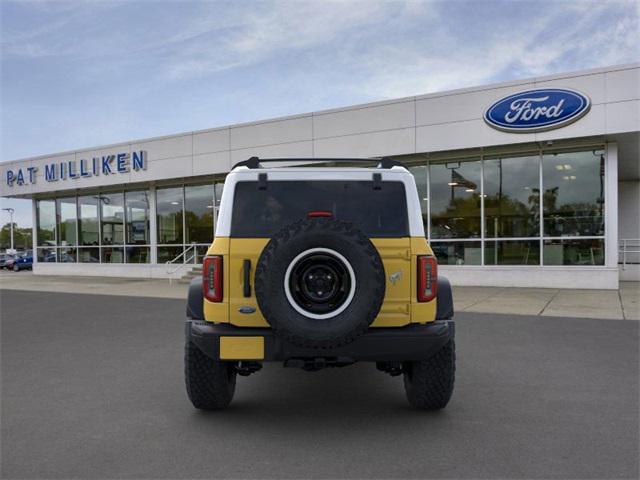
608	304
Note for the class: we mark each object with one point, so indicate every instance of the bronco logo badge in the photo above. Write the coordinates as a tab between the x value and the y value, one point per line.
395	276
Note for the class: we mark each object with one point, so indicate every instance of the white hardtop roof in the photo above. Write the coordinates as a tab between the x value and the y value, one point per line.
318	170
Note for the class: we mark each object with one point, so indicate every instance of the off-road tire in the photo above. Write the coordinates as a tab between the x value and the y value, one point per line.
296	328
210	383
429	383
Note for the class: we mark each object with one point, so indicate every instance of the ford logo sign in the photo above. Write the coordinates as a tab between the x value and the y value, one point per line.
537	110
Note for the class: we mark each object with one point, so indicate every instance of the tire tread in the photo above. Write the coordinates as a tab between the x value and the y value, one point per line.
210	385
429	383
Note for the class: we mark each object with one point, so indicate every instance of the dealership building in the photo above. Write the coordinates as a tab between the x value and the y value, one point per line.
533	182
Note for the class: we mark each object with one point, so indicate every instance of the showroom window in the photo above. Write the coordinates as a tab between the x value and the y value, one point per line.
198	217
170	220
88	229
46	230
490	211
112	228
137	225
455	211
105	228
185	221
573	194
573	207
67	215
512	197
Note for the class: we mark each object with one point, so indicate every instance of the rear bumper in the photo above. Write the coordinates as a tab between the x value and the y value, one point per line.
410	343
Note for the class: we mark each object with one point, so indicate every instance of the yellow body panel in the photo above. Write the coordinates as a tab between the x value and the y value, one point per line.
400	306
242	248
241	348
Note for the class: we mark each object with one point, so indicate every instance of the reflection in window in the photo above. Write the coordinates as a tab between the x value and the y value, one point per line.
219	187
455	199
198	213
137	254
46	217
420	174
112	218
457	253
67	220
137	217
88	221
166	254
574	252
169	208
89	255
46	255
66	255
512	197
573	198
512	252
112	255
201	252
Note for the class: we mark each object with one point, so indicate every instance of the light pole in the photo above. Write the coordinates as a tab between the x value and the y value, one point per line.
10	210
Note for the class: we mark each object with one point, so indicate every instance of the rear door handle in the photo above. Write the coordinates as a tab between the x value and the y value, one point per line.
246	273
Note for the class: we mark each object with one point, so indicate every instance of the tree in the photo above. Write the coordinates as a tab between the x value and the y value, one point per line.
22	237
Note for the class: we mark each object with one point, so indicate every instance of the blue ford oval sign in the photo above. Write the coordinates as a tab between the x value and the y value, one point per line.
537	110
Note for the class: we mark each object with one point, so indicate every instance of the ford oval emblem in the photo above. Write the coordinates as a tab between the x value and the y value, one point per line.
247	309
537	110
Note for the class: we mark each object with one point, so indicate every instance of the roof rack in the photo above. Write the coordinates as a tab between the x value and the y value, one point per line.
383	162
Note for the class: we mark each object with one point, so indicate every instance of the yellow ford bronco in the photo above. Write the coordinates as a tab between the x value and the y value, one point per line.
320	267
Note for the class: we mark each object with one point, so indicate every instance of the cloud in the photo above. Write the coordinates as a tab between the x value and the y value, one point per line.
263	32
102	72
557	39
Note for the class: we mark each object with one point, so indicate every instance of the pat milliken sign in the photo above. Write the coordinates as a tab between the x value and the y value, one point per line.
537	110
116	164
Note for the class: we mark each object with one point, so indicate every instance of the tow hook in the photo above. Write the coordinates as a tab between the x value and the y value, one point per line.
245	369
392	368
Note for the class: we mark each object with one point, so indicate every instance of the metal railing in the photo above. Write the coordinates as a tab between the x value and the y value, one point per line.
186	260
628	246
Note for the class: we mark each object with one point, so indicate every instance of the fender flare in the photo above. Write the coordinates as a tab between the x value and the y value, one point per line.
444	300
195	300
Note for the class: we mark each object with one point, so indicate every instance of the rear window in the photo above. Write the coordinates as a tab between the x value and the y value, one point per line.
262	213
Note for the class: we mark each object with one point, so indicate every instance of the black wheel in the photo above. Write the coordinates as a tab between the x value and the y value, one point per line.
16	268
210	384
320	283
429	383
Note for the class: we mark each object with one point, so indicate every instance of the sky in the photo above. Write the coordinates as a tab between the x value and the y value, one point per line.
87	73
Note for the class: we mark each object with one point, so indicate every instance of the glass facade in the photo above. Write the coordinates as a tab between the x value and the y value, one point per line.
489	210
170	218
185	221
512	197
573	194
455	199
88	226
46	218
102	228
543	207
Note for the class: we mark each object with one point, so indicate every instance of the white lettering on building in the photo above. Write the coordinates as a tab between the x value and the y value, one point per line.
523	109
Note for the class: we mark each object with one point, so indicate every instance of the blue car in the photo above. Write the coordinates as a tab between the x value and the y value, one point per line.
23	262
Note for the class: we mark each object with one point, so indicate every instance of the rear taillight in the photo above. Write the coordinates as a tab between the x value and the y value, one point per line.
212	278
319	213
427	278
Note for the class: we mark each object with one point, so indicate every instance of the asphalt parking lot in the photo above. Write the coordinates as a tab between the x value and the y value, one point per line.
92	387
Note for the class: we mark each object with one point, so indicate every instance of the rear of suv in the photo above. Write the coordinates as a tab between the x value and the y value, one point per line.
320	267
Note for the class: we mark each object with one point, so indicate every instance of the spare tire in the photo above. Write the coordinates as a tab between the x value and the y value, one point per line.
320	283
